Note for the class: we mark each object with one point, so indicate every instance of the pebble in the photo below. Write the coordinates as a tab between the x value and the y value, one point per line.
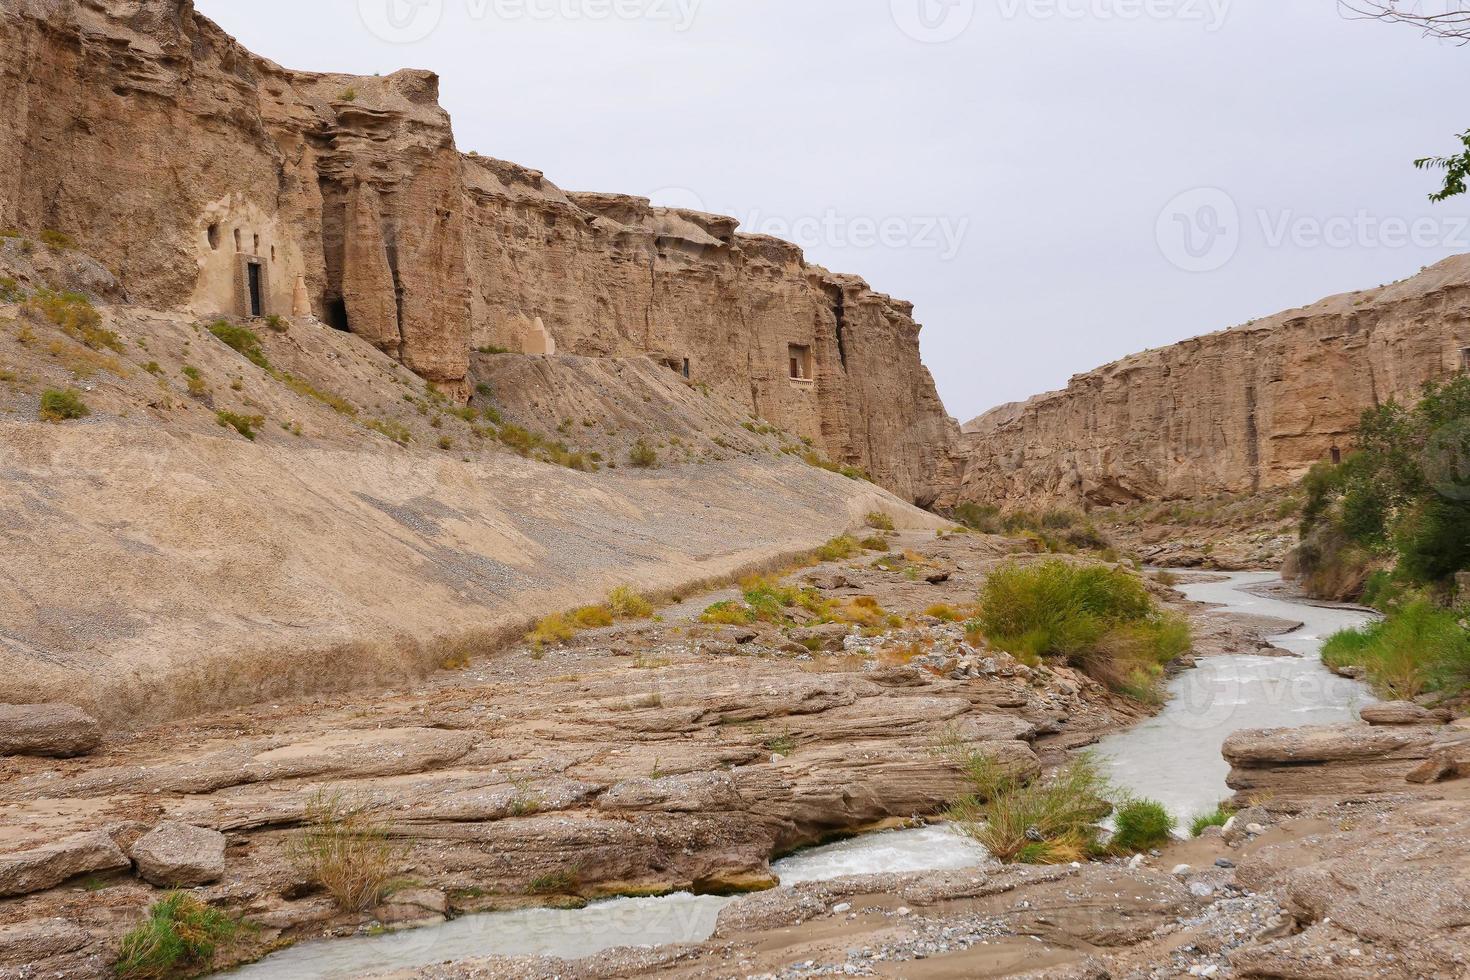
1200	889
1225	863
839	909
1180	870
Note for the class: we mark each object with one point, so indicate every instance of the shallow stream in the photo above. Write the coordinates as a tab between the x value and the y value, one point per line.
1174	758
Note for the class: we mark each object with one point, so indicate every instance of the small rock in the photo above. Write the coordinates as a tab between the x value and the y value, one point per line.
903	910
1254	829
1201	889
841	908
1135	862
1225	863
176	855
1180	870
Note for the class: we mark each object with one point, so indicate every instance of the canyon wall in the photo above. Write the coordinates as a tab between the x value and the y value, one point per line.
1241	410
209	179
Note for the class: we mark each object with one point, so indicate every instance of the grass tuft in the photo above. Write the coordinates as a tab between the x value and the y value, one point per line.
178	938
1141	826
1217	817
344	850
242	340
1048	821
246	425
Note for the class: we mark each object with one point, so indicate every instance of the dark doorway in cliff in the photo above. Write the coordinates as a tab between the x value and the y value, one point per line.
337	314
257	302
1336	456
686	369
1465	359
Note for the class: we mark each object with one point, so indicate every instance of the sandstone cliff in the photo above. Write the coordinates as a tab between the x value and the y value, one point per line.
209	179
1241	410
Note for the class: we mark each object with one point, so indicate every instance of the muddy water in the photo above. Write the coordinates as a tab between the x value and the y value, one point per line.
605	925
1175	757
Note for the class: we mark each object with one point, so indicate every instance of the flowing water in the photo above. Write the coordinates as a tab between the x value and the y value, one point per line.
1174	758
572	933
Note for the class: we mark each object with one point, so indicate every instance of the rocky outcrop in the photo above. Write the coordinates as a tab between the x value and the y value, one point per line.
208	178
56	730
38	868
1243	410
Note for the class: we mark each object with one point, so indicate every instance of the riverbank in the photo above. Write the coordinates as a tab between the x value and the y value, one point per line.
1362	875
646	758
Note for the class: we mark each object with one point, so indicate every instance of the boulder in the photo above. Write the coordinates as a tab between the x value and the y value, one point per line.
52	730
34	870
175	855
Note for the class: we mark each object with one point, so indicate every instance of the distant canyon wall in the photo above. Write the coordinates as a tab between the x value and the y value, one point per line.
209	178
1241	410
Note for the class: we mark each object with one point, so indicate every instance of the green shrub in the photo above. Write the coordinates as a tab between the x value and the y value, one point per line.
1217	817
551	630
1100	619
642	455
62	406
246	425
10	291
592	617
178	938
242	340
1141	826
1049	821
879	521
984	518
876	543
57	241
728	613
278	323
839	548
627	602
1419	647
77	318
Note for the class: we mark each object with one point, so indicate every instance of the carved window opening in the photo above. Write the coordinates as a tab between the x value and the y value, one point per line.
273	253
800	358
686	369
1465	358
238	247
1336	456
214	238
256	242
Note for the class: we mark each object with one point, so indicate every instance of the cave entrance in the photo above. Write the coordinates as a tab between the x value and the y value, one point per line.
257	302
337	314
1336	456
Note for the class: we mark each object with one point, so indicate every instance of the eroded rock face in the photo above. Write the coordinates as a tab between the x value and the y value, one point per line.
1241	410
354	187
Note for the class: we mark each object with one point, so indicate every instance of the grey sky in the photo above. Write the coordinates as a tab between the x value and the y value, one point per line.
1019	182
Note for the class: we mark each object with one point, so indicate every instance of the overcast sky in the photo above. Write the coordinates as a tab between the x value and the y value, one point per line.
1053	183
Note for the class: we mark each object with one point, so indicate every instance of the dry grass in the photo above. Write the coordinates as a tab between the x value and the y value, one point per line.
344	850
627	602
550	631
1049	821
